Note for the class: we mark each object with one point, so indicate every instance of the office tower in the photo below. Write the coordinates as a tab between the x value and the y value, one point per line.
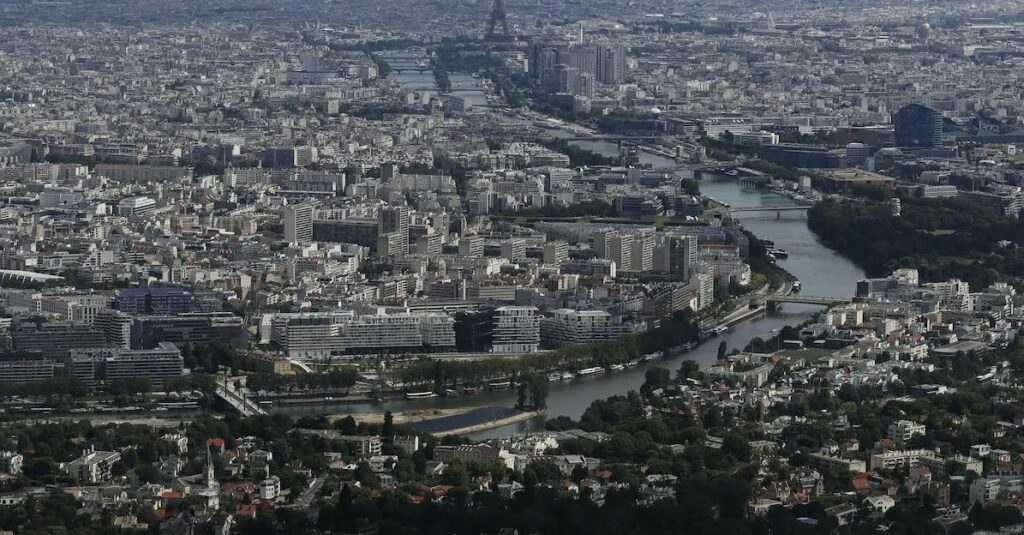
676	255
471	246
566	79
516	330
611	65
395	219
556	252
918	127
298	223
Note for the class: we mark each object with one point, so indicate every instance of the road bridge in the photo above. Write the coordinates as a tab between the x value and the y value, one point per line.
803	299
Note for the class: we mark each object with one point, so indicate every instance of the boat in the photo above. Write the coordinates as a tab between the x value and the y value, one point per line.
500	385
778	253
568	376
554	377
796	286
617	367
632	363
420	395
591	371
470	390
721	330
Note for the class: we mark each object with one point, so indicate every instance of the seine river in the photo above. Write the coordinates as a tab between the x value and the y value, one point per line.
820	270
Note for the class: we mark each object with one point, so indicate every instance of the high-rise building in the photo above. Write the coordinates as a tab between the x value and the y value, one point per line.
556	252
675	254
620	250
395	219
918	127
116	327
298	223
641	256
611	65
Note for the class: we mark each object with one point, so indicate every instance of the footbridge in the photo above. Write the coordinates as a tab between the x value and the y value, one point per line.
241	404
779	208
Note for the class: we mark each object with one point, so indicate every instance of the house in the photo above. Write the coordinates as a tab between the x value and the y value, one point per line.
879	504
11	462
177	441
406	443
92	467
844	513
270	488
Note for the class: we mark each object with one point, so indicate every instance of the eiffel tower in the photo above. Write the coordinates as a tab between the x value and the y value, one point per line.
498	16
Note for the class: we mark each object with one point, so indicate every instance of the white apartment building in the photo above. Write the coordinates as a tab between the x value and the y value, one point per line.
556	252
92	467
322	334
77	308
641	255
298	223
516	330
270	488
567	326
135	206
904	430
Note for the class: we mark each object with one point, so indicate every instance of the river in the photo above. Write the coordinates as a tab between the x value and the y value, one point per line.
820	270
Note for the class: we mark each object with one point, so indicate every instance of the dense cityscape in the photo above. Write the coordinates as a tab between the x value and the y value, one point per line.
511	267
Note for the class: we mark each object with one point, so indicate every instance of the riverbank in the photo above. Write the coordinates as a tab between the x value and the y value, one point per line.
493	424
403	417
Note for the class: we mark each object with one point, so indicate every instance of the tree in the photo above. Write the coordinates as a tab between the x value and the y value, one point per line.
539	389
655	378
722	348
688	370
388	429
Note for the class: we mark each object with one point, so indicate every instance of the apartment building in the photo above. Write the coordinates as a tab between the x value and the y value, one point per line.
516	329
98	368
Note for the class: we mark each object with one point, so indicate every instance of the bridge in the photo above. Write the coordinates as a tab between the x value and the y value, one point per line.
242	404
418	69
802	299
299	366
787	208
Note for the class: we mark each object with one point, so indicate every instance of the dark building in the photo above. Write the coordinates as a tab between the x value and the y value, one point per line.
797	155
918	127
222	327
160	301
54	340
358	231
474	331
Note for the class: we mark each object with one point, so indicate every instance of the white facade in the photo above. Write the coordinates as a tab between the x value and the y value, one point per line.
516	330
